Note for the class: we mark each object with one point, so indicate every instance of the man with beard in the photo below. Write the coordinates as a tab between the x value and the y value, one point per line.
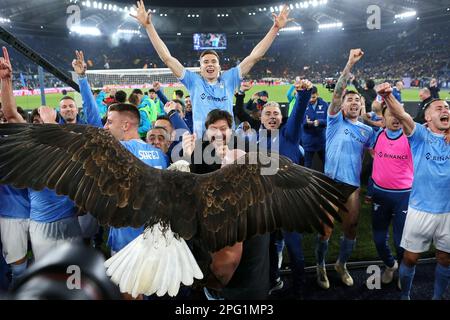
285	140
428	217
346	139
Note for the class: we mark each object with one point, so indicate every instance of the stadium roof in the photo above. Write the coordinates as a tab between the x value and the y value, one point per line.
230	16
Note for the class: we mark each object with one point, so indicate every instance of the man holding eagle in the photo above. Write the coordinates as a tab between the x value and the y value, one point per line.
105	177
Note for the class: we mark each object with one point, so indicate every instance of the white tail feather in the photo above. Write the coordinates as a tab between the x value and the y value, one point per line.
155	262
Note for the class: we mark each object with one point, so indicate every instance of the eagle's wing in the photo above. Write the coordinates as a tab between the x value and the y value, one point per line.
85	163
223	207
238	202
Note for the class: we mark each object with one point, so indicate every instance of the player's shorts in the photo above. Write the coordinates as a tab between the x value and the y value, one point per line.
422	228
14	237
345	188
46	236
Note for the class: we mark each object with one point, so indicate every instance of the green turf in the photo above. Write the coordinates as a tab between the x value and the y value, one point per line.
365	247
276	93
31	102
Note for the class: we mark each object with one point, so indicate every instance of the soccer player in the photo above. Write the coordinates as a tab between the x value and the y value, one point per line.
392	176
428	217
346	139
53	219
123	123
210	90
14	203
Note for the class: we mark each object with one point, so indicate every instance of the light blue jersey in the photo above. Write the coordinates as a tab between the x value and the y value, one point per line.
345	143
431	185
120	237
206	97
14	203
47	206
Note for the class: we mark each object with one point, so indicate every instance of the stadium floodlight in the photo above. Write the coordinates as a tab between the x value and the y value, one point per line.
290	29
95	4
315	3
128	31
114	8
4	20
226	15
406	14
330	25
280	7
86	31
88	3
291	6
271	9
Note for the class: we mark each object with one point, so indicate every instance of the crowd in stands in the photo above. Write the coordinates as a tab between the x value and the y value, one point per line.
410	176
419	54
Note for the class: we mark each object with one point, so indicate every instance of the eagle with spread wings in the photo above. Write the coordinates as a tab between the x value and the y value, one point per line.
218	209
